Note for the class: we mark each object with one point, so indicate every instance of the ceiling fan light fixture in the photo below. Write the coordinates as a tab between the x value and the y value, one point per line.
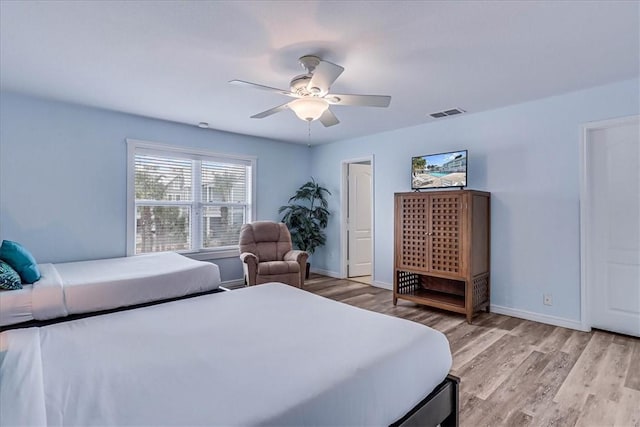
311	93
309	108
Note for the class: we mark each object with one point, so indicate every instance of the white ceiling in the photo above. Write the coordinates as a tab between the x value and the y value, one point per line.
172	59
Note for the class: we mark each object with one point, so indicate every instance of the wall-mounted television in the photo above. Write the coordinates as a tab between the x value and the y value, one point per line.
442	170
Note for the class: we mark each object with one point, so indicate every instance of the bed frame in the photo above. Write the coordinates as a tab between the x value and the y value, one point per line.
38	323
441	407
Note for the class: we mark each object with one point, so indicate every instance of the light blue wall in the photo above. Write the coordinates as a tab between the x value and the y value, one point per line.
63	175
527	156
63	170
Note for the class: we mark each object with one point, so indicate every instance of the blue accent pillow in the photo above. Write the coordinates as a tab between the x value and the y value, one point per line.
21	260
9	278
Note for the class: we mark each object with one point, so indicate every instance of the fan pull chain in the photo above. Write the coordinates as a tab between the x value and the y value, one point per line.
309	135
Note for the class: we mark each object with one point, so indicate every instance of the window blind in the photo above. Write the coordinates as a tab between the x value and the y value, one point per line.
189	202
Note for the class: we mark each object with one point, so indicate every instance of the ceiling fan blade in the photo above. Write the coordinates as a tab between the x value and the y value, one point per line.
262	87
323	77
271	111
358	100
328	118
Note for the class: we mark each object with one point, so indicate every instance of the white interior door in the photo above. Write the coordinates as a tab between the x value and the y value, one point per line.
613	236
359	220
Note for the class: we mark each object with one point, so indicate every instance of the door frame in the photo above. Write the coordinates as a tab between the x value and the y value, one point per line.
585	202
344	206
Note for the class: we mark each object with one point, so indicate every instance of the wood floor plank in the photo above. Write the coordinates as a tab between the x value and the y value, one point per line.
533	332
549	382
342	292
474	411
611	376
502	359
624	339
558	415
489	320
576	342
511	394
633	372
628	409
556	339
424	316
447	323
359	299
519	419
464	399
597	411
463	334
474	348
510	323
576	387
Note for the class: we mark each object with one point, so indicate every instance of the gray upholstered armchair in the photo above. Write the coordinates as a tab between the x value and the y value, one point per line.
267	255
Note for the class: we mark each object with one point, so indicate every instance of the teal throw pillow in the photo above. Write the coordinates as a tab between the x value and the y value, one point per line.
9	278
21	260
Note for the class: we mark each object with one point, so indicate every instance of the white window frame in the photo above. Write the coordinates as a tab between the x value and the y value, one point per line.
135	146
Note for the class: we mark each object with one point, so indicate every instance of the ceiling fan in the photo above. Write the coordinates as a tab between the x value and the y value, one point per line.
311	93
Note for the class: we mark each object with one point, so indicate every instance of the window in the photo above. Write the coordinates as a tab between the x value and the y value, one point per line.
185	200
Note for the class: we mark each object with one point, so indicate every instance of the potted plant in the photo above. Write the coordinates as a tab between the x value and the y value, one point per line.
307	216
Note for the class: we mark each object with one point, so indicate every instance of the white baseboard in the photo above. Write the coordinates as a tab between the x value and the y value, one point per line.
325	272
383	285
336	275
231	284
537	317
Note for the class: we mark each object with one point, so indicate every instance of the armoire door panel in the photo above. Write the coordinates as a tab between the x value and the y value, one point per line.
445	245
413	232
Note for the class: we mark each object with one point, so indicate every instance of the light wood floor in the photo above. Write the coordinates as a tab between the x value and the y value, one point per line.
361	279
519	373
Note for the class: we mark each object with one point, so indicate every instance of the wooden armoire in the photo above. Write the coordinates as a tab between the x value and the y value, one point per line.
442	250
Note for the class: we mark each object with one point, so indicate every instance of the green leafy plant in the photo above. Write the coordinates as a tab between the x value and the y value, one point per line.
307	216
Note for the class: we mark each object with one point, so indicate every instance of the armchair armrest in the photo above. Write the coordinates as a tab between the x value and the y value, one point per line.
297	256
250	267
301	258
249	258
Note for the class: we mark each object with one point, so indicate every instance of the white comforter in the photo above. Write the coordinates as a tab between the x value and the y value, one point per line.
88	286
265	355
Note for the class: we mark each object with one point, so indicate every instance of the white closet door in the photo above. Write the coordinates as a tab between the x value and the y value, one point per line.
613	236
360	244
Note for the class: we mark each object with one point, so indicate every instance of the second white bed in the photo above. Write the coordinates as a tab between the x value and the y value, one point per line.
90	286
265	355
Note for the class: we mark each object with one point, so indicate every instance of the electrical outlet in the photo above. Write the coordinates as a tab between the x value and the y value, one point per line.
547	299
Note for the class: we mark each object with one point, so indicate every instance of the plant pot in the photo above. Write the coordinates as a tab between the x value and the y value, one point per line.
306	276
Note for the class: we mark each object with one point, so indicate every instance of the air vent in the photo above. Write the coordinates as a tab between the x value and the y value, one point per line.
451	112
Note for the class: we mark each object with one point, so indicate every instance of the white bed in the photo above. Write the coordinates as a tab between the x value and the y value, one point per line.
264	355
90	286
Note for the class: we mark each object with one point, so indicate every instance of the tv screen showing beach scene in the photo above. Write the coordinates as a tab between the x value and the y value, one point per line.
439	170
